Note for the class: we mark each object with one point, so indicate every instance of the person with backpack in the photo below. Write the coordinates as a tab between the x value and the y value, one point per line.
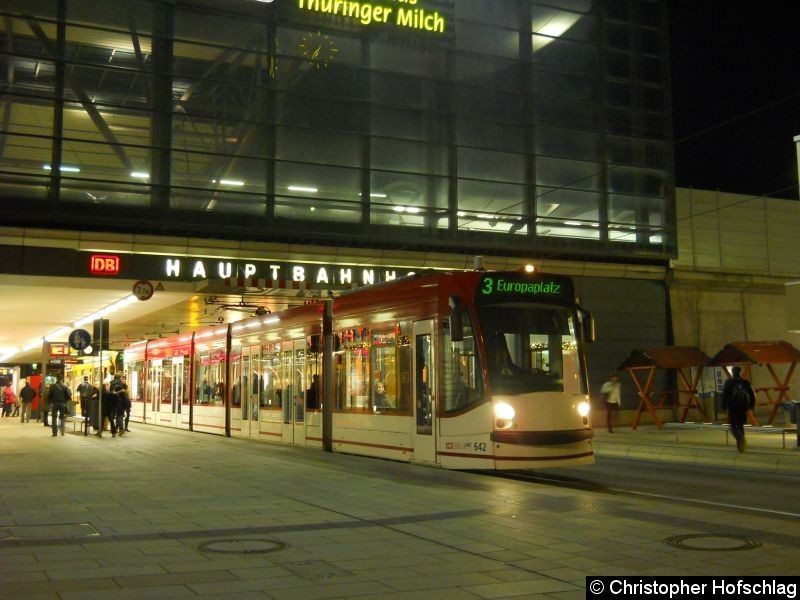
738	398
86	391
59	394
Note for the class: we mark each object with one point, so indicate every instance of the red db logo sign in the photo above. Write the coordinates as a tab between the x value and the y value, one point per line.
104	264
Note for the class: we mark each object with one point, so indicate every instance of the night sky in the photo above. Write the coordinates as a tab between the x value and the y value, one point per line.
736	73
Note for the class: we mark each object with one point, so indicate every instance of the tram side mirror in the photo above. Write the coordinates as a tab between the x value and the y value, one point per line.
587	325
456	319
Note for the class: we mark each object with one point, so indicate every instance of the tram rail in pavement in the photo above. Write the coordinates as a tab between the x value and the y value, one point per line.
166	513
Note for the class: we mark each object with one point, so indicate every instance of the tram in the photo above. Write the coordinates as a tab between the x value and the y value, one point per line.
460	370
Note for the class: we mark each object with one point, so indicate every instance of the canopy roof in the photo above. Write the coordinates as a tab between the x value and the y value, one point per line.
667	357
760	353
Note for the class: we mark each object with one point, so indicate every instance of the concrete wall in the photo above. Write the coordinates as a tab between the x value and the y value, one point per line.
728	284
793	305
628	314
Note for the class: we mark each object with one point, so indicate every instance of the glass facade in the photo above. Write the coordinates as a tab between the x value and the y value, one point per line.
501	126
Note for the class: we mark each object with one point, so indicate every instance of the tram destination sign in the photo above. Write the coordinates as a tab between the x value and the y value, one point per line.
521	287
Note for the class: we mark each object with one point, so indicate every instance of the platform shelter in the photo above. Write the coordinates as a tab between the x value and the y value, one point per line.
642	366
764	354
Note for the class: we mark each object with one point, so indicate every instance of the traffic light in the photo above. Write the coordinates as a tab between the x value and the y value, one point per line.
100	335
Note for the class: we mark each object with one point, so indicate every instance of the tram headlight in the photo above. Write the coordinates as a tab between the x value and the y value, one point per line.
583	409
504	411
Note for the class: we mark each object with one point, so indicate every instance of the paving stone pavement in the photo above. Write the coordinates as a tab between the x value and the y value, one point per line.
162	513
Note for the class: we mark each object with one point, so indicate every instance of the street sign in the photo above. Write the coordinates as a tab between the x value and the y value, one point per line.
143	290
79	339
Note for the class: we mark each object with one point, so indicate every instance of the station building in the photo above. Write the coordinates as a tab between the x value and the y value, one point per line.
367	139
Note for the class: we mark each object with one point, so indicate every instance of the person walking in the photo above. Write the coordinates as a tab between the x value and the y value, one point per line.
44	402
611	396
26	394
9	399
59	395
738	398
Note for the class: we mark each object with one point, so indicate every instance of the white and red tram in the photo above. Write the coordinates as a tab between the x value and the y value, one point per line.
462	370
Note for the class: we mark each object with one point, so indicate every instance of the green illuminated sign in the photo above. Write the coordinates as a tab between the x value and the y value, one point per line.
406	14
491	286
511	286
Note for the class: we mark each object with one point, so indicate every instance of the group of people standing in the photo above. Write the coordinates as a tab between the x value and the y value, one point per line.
113	398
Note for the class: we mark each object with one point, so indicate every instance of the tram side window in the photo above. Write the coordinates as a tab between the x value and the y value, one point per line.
352	361
463	381
209	379
285	386
135	388
383	360
405	367
271	376
313	365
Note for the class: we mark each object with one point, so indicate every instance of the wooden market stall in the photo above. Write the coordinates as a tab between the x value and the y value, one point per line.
766	354
680	358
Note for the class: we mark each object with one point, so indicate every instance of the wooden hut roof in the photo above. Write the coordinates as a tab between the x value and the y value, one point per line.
760	353
667	357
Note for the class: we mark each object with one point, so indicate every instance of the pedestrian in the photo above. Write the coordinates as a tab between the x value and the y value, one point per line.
111	408
27	394
124	402
86	391
738	398
9	399
44	402
611	396
59	394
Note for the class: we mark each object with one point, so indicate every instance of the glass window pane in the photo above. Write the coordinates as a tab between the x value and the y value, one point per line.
561	142
414	157
486	164
555	172
321	147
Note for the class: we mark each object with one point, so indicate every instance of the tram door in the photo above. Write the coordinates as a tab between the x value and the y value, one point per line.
154	384
293	387
245	394
424	394
170	392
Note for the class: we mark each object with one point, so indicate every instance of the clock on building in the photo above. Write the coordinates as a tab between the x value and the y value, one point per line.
318	49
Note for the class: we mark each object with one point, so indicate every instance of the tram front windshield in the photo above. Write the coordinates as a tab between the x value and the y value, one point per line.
531	348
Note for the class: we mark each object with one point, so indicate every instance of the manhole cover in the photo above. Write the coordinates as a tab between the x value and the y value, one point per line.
712	542
242	546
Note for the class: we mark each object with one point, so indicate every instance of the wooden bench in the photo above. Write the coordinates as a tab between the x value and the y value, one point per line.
765	429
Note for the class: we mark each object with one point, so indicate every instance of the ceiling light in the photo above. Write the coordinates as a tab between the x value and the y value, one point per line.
32	345
140	175
63	169
231	182
300	188
56	335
